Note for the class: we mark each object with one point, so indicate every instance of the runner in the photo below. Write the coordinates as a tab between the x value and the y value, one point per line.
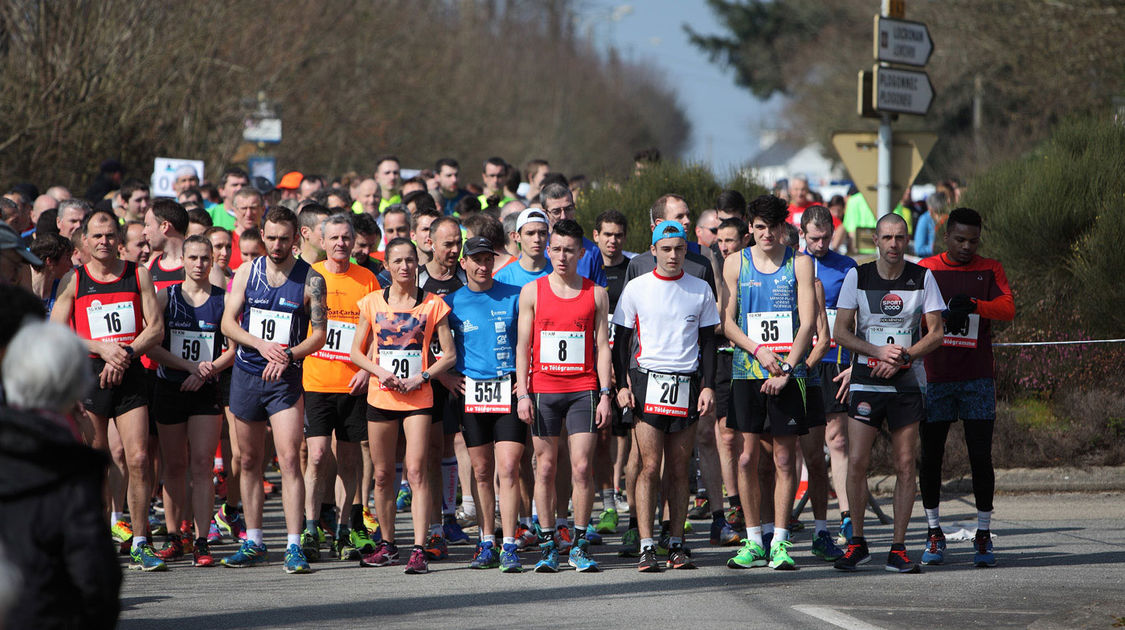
484	319
558	204
367	236
532	234
886	301
185	402
960	379
276	314
769	307
225	214
335	392
221	245
674	316
564	347
112	305
399	323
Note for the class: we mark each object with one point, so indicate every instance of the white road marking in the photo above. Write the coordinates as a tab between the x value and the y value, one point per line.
836	618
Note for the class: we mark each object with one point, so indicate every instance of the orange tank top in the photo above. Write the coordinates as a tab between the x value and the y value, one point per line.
330	369
401	338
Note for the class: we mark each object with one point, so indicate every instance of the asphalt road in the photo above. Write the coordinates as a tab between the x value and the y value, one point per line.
1061	564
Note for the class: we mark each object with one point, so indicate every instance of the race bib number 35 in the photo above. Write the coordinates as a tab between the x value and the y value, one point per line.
401	363
880	336
112	322
667	395
492	395
271	326
965	337
773	330
191	345
338	343
562	352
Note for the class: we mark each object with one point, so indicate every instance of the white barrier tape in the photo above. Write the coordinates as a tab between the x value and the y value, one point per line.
1055	343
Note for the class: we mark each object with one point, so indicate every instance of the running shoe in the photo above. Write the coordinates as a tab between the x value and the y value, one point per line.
344	548
248	555
122	532
454	535
145	559
780	560
173	549
360	540
564	539
214	536
935	547
679	558
549	563
700	510
580	557
736	519
201	555
845	534
855	555
464	519
436	548
525	537
385	554
310	546
156	526
404	499
268	488
621	501
510	560
417	564
749	555
722	535
983	557
225	520
688	527
485	556
824	547
664	542
592	535
187	536
648	562
369	520
630	544
295	561
899	562
607	522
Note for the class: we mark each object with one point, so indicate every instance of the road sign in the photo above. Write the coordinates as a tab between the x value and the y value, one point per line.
859	153
164	174
265	130
902	41
902	91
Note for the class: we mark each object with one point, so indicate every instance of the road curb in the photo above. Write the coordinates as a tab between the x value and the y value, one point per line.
1024	480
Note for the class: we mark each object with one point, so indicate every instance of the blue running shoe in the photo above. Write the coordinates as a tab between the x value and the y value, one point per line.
485	557
295	560
845	535
592	535
579	557
248	555
550	561
825	548
214	536
454	535
510	560
145	559
935	548
983	557
402	502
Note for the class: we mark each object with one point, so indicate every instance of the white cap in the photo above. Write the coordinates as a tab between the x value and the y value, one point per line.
530	215
186	170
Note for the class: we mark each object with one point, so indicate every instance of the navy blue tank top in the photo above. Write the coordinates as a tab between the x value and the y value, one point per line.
274	314
193	333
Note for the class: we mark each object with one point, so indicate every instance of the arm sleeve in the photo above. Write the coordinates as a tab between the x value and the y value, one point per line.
622	341
708	355
1001	307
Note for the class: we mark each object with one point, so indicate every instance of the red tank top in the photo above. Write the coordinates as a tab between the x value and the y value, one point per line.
562	340
108	311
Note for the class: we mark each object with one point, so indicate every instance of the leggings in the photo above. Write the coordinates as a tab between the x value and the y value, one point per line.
978	439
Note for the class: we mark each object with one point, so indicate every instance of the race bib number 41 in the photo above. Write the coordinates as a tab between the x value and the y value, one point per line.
562	352
773	330
401	363
881	336
272	326
492	395
112	322
667	395
338	343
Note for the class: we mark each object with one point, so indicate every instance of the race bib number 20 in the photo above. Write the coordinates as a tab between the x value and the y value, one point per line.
667	395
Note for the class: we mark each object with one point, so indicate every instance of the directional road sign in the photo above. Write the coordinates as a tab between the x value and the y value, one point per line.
902	91
860	155
902	41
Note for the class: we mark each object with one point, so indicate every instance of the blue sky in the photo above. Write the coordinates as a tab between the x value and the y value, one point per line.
725	118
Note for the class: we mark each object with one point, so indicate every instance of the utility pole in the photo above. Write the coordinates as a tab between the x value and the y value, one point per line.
883	184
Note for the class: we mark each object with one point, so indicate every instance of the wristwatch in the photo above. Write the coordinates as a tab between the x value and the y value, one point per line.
130	351
786	369
605	391
289	353
905	356
425	377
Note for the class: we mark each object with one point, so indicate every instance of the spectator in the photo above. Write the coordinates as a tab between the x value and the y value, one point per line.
15	259
929	223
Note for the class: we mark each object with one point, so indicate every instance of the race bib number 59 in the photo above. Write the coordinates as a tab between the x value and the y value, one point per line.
562	352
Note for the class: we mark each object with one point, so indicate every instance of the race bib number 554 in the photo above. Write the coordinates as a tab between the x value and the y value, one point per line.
492	395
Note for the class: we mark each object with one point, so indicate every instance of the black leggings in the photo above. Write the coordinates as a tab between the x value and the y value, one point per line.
978	439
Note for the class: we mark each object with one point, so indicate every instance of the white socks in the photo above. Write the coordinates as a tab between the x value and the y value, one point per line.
984	521
933	519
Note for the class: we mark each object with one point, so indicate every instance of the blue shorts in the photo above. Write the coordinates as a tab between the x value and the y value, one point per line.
965	400
255	400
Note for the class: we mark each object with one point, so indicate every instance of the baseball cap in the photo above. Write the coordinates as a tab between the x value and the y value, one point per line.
530	215
261	184
186	170
478	245
668	229
291	180
10	240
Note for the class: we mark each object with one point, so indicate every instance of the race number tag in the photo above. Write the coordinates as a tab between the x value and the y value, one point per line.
493	395
272	326
401	363
112	322
881	336
338	343
192	345
562	352
965	337
831	312
771	330
667	395
611	328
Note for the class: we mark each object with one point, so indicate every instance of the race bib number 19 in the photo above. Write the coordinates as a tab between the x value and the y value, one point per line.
562	352
272	326
667	395
492	395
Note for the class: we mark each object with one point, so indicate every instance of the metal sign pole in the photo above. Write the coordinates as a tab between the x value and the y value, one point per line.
883	185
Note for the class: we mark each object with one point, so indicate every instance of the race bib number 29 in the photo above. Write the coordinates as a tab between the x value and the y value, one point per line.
562	352
401	363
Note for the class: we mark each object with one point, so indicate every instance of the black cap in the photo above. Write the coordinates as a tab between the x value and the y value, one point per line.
262	185
478	245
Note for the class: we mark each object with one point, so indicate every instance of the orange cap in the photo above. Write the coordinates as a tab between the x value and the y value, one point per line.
291	180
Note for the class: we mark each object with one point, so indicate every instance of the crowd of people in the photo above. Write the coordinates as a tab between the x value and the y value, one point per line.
478	358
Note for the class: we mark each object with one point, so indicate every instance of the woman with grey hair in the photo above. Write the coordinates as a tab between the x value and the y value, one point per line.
45	368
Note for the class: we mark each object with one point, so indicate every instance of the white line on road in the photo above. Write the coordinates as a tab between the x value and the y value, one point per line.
836	618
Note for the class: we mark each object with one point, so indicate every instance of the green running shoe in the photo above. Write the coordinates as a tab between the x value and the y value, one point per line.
630	544
780	559
607	523
749	555
145	559
362	541
310	546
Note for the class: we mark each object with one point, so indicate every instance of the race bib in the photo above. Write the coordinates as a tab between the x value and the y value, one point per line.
881	336
271	326
562	352
772	330
493	395
338	343
667	395
611	328
401	363
192	345
112	322
831	312
965	337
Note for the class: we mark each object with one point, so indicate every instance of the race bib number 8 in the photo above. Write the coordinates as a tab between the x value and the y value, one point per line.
880	336
401	363
193	345
773	330
112	322
667	395
272	326
562	352
338	343
492	395
965	337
